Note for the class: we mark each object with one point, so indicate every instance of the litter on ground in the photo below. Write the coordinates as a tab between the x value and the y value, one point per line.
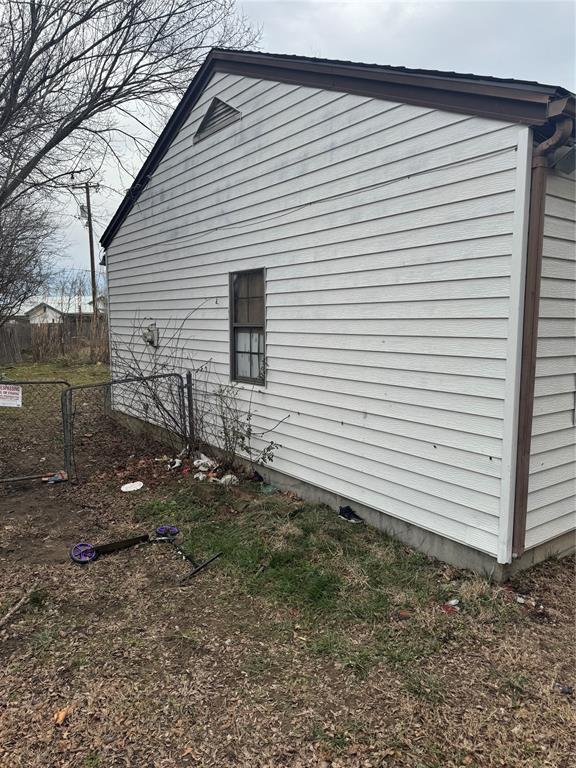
128	487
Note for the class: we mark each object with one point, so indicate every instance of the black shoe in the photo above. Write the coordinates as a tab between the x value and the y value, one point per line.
348	514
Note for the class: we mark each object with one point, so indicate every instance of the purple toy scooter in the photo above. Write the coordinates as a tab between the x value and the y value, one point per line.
83	552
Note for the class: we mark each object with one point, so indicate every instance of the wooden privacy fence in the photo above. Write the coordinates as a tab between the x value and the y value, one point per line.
73	336
15	338
79	336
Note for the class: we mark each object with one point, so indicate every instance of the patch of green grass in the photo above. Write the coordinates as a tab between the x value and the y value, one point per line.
308	558
357	658
336	741
70	371
515	686
80	660
37	598
290	577
258	664
44	639
91	760
328	644
346	583
423	685
360	660
190	641
408	647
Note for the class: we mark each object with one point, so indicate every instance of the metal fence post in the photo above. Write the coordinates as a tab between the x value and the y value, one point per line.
190	401
182	411
66	405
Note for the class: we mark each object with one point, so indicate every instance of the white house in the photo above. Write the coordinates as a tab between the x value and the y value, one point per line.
54	309
386	257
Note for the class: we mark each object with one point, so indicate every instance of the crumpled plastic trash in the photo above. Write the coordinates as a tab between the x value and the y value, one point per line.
200	476
127	487
174	463
228	480
204	463
448	608
59	477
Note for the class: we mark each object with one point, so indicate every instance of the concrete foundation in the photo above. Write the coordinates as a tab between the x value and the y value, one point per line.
430	543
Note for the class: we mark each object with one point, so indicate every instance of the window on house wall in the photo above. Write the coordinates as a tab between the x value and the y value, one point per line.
247	312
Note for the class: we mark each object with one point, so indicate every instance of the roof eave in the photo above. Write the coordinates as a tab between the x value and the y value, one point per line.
526	103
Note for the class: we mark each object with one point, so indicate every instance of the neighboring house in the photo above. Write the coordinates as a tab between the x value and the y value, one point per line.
56	309
386	256
44	313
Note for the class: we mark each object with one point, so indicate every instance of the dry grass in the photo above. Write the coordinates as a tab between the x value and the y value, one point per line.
290	651
72	371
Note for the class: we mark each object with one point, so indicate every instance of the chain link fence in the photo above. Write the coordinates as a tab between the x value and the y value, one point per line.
31	429
106	424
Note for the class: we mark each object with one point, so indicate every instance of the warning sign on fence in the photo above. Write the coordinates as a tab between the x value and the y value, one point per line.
10	396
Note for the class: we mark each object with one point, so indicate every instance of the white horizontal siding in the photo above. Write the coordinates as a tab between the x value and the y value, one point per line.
552	487
386	234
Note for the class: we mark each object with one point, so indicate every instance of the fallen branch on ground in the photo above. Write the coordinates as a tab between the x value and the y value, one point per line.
18	605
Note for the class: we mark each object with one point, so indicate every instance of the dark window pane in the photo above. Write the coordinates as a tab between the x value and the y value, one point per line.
256	287
242	312
241	286
256	311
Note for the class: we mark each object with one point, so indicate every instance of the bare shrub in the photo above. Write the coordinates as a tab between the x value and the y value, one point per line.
26	255
80	339
221	416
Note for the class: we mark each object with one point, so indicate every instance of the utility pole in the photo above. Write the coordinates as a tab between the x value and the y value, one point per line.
92	261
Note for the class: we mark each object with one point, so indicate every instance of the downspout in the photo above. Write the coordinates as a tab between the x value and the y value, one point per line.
540	164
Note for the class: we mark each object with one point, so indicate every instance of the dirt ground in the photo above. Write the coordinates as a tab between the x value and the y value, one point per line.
119	664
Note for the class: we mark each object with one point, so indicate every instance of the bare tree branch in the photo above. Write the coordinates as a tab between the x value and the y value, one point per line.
27	250
72	70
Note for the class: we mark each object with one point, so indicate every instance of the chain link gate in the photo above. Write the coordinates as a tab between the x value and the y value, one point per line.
31	429
108	423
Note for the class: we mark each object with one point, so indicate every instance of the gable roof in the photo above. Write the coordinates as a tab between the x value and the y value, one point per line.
64	305
43	304
516	101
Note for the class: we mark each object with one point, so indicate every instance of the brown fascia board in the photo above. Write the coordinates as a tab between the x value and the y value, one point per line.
509	100
504	100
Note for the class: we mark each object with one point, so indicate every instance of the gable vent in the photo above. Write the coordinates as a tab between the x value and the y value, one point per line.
218	116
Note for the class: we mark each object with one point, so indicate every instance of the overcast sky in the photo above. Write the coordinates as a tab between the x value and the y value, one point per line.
526	40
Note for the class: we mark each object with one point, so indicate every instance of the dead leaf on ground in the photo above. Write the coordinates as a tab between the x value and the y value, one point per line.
62	714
